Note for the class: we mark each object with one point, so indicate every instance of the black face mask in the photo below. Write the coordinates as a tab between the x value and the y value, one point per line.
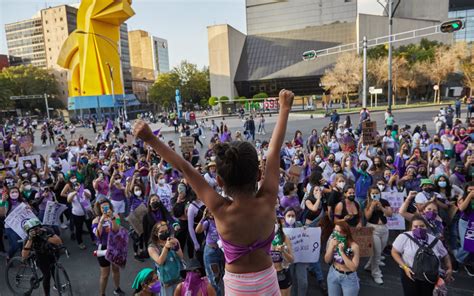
155	205
428	189
331	160
163	235
363	167
351	197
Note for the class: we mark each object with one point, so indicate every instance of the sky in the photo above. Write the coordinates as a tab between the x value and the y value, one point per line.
182	22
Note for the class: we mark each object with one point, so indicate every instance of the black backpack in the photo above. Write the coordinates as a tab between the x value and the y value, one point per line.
426	263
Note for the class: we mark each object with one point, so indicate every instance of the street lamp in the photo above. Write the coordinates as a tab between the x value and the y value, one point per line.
116	46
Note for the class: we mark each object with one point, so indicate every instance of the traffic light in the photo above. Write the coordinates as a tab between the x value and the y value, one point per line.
451	26
309	55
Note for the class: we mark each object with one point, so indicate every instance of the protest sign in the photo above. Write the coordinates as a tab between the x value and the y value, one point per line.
369	132
294	174
130	140
363	237
469	235
136	218
306	243
117	247
26	143
395	199
187	144
52	213
35	160
18	217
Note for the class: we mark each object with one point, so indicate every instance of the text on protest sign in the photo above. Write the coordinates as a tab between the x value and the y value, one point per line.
294	174
187	144
35	160
305	242
17	218
52	213
395	199
369	132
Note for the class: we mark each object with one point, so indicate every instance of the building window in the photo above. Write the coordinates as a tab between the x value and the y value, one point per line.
262	88
253	88
46	22
60	19
49	49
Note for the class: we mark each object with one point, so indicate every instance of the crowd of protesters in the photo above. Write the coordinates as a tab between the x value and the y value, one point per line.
212	220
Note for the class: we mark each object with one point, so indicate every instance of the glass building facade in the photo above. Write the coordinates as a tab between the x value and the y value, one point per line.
463	10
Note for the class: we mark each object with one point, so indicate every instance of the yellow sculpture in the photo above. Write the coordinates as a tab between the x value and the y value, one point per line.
93	47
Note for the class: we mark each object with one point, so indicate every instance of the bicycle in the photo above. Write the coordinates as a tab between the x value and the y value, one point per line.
23	275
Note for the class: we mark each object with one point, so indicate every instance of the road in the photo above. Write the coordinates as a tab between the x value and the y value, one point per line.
83	268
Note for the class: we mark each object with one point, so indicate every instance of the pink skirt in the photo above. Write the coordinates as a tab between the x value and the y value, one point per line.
263	283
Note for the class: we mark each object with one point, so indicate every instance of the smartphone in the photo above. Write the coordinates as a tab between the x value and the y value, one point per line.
106	209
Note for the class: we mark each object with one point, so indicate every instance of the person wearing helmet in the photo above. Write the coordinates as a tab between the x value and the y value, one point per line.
40	239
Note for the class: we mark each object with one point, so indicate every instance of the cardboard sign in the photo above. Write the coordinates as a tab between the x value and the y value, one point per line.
469	235
305	242
130	140
395	199
135	219
369	132
363	237
117	247
26	143
294	174
187	144
18	217
35	160
52	213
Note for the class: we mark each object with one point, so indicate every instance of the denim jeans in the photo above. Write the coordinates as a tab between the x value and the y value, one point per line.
14	243
341	284
299	274
461	254
214	256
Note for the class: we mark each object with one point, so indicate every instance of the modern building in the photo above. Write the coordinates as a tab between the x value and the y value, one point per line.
269	57
463	9
148	58
38	41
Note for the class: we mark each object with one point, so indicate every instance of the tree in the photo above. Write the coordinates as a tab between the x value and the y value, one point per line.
261	95
194	83
467	68
163	91
345	77
445	61
28	80
213	101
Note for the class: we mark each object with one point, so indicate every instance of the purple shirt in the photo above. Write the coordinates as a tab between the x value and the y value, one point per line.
117	194
212	236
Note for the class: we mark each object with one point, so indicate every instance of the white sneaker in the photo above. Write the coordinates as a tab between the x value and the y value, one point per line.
382	257
381	264
378	281
64	226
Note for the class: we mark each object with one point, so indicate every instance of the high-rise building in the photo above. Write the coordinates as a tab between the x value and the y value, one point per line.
269	57
148	58
38	41
463	9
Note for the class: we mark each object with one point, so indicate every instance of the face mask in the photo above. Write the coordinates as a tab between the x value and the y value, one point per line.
276	227
24	175
330	160
430	215
317	159
363	167
14	195
161	182
381	187
138	192
420	233
117	181
34	180
28	165
155	288
389	161
155	205
376	196
163	235
351	197
341	185
27	187
428	189
296	162
73	180
442	184
348	163
290	221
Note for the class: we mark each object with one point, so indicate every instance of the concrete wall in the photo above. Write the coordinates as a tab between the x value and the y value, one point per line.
225	48
435	10
265	16
374	26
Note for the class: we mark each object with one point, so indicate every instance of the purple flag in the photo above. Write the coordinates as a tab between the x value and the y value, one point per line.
109	126
117	247
157	132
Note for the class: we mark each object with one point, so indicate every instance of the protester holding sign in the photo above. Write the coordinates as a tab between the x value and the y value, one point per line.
342	252
420	272
105	223
376	213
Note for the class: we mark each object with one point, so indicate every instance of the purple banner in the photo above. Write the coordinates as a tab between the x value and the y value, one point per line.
469	236
157	132
129	173
109	126
117	247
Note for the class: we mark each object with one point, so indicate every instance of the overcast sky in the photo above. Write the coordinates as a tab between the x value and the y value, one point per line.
182	22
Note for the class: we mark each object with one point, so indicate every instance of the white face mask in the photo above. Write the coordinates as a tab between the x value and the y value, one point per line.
317	159
341	185
138	192
34	180
161	182
381	187
290	221
27	187
28	165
